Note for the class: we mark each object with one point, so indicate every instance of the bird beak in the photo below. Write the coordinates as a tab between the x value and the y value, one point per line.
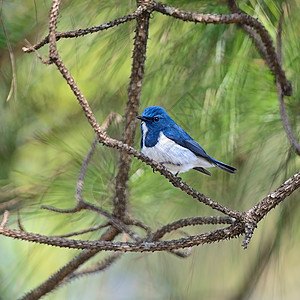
142	118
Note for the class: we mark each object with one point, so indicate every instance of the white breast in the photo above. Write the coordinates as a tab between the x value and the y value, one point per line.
145	130
173	156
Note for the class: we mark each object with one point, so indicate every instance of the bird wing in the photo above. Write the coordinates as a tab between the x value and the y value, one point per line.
179	136
199	151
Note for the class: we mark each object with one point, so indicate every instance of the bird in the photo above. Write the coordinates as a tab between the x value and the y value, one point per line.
168	144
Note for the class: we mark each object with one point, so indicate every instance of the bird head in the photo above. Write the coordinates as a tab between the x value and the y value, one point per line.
155	118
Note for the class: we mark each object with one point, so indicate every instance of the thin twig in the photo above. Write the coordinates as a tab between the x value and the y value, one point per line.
138	223
235	18
279	38
86	161
83	169
20	225
4	218
101	266
10	203
32	49
283	113
91	229
63	211
88	206
85	31
285	120
133	103
115	221
158	234
253	35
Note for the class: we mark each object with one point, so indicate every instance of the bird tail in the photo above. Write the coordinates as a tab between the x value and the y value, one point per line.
225	167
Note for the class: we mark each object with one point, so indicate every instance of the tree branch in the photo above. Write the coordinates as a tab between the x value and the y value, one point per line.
83	169
93	228
134	91
85	31
158	234
235	18
55	279
85	205
260	46
101	266
250	220
283	113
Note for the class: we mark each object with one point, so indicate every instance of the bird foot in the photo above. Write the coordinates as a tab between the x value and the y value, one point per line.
180	179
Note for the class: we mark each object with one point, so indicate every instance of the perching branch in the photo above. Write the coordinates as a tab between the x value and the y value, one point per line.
235	18
251	218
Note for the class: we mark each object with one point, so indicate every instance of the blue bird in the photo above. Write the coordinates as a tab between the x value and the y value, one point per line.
167	143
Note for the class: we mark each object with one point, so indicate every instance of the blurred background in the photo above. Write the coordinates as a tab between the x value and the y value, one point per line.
213	83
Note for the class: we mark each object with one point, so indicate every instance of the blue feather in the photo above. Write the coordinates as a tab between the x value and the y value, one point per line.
167	143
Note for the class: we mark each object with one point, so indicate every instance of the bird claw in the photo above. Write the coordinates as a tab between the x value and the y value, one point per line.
165	168
180	180
163	164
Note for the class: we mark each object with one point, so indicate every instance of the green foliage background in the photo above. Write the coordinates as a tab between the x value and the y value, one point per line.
212	81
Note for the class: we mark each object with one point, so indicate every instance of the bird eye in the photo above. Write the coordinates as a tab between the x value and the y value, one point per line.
156	119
